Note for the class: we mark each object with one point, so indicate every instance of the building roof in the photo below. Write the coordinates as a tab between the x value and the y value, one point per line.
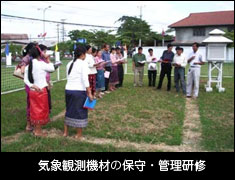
206	19
6	36
23	42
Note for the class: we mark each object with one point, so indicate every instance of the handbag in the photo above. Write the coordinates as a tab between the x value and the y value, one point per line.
17	73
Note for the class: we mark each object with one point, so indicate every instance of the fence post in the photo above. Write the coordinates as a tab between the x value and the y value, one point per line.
125	70
57	59
8	60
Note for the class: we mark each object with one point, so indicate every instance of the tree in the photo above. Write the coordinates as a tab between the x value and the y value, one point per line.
132	29
230	35
65	47
95	37
75	34
16	50
102	37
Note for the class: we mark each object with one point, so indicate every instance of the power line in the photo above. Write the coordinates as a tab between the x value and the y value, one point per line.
17	39
67	23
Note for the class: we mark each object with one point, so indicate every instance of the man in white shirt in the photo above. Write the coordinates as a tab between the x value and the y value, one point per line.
195	61
152	68
179	62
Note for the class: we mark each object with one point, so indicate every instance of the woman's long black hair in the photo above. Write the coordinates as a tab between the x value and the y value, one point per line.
80	50
34	53
27	49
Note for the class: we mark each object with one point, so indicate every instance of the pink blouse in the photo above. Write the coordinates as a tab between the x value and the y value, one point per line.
101	65
113	59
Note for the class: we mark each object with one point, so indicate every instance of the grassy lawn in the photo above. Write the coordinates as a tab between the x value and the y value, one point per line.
13	109
139	114
29	143
132	114
217	117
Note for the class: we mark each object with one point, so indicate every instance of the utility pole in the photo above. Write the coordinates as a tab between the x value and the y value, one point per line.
141	6
58	33
44	26
63	30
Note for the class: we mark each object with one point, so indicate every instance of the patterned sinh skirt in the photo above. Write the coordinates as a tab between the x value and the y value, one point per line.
114	76
39	107
76	115
100	80
92	81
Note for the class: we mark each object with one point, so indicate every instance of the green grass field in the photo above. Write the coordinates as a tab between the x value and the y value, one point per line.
140	115
217	117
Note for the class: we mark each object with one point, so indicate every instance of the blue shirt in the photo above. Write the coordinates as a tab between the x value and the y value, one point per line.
167	56
106	57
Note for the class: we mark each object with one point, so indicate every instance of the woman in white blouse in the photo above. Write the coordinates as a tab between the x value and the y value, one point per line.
35	79
92	69
76	91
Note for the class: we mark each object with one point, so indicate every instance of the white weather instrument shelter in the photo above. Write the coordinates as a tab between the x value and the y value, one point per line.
216	47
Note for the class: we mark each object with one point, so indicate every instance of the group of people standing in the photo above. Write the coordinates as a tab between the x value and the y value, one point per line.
96	72
91	74
168	60
36	67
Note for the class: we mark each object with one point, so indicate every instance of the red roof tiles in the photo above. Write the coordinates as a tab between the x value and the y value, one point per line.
206	19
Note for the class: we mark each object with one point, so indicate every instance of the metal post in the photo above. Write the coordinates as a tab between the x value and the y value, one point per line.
63	31
141	19
44	25
58	36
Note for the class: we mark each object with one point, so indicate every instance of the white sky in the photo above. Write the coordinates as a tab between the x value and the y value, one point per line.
159	14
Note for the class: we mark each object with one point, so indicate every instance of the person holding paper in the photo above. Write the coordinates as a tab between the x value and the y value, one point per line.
138	60
193	78
121	61
46	58
152	68
166	60
100	80
92	69
76	91
179	62
108	66
113	81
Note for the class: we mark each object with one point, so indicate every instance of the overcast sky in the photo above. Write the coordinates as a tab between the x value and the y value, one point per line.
158	14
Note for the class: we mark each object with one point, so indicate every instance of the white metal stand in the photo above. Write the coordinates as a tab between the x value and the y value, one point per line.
213	65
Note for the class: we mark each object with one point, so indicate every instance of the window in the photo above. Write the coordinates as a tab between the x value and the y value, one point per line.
199	32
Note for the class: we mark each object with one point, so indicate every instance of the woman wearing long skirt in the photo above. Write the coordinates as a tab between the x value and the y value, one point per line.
46	59
24	62
113	81
76	91
35	79
100	80
92	69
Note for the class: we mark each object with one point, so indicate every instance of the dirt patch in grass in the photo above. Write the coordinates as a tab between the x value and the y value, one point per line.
13	138
54	133
60	115
192	125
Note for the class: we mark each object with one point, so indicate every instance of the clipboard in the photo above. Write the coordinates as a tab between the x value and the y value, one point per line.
89	104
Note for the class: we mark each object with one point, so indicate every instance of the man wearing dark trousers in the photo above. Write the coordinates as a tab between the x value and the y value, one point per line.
120	68
108	67
166	60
